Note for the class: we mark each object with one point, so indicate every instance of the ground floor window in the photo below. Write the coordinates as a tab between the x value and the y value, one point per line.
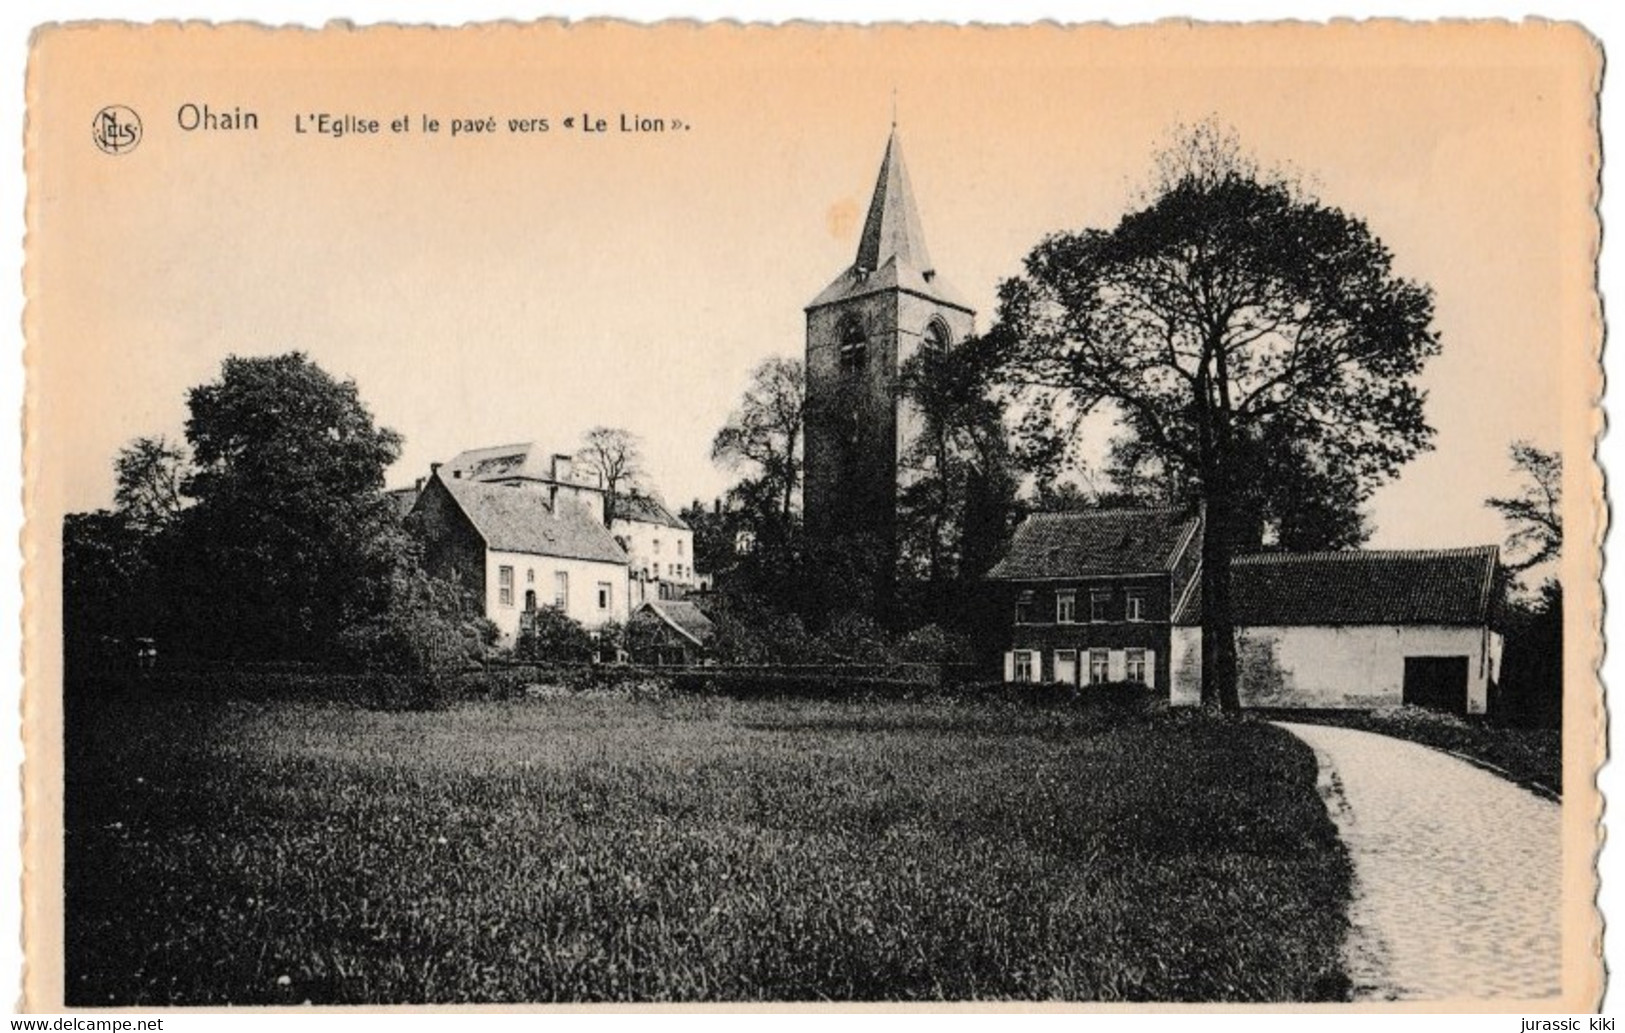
1066	666
505	586
1134	666
1024	669
1100	661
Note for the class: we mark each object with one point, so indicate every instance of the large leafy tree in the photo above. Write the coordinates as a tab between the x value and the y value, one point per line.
765	431
1234	326
958	491
290	536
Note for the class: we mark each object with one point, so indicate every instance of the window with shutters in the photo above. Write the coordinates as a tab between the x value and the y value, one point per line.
1099	666
1134	670
1025	668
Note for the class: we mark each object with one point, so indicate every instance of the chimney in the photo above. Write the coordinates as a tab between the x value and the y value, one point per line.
419	485
434	469
716	505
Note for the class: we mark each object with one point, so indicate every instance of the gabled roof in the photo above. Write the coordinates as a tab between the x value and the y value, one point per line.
891	250
1418	586
646	509
681	616
1095	543
515	519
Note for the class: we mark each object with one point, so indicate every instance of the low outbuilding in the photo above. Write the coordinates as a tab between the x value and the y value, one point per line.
1358	630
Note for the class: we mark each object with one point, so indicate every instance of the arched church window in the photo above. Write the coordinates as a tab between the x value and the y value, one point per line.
937	337
854	345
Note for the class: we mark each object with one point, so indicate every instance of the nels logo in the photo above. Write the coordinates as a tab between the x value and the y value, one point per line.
116	129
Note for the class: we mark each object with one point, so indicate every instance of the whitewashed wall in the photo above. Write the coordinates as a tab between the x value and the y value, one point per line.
676	550
1360	666
583	602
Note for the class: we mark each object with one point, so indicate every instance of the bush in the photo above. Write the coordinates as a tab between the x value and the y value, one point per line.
852	638
747	633
931	644
420	632
552	635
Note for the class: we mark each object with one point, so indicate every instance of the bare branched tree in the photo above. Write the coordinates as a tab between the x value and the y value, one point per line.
615	456
1535	514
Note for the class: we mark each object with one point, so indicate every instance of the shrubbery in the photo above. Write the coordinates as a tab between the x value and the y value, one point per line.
550	634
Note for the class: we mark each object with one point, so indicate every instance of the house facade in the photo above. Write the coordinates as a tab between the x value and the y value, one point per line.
514	551
659	546
1091	595
659	549
1357	630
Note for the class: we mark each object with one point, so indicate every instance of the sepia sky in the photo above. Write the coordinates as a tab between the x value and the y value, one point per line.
499	287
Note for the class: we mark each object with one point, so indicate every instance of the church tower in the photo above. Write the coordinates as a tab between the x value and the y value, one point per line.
860	330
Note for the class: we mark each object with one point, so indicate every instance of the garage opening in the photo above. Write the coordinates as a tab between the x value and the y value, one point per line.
1436	682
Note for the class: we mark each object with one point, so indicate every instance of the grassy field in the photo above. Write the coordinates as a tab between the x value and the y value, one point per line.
599	848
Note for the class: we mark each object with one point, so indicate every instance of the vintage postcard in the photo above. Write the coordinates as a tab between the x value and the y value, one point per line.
595	513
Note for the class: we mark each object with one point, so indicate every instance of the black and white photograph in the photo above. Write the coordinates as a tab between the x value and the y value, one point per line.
592	513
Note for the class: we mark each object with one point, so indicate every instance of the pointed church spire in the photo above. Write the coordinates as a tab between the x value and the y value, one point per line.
893	227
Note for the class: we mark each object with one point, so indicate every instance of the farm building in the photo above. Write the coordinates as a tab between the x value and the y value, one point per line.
670	632
514	550
1090	595
1360	630
1115	595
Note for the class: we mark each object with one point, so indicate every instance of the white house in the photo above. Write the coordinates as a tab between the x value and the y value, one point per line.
516	549
1358	629
659	546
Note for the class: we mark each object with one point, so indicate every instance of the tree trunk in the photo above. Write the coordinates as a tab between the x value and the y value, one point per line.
1219	688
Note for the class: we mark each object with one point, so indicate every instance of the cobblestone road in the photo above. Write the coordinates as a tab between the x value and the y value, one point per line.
1456	871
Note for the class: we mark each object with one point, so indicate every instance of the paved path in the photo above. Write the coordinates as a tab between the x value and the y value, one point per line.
1456	871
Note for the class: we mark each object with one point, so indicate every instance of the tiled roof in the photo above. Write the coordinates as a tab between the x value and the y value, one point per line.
648	510
683	616
1092	543
512	519
1420	586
